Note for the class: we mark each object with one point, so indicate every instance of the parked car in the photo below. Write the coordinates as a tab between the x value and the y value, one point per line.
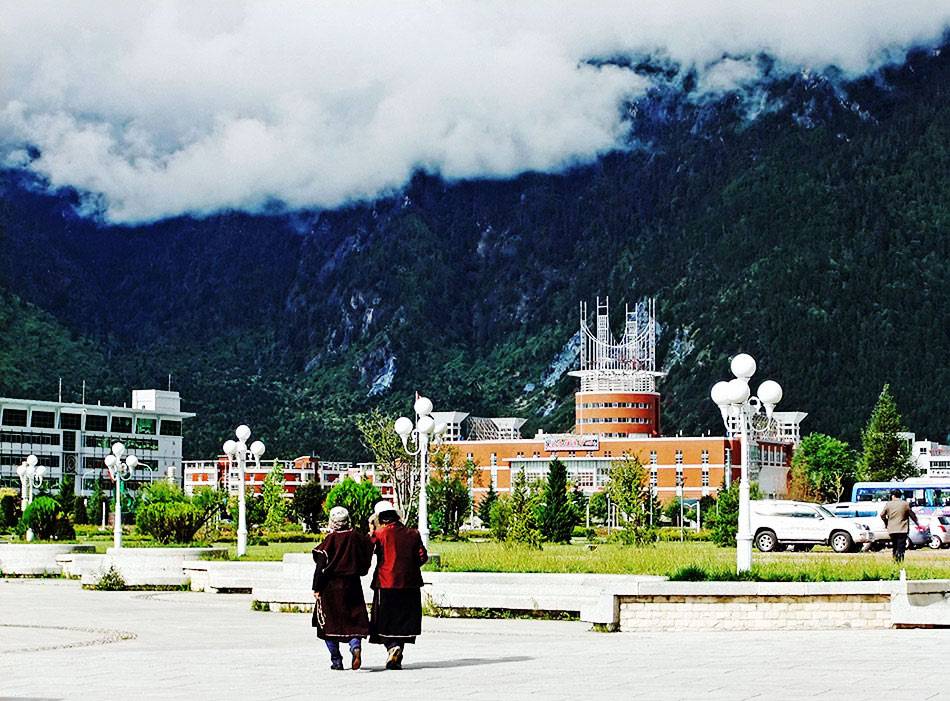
779	524
939	531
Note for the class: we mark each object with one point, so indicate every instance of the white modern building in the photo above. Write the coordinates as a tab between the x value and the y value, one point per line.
73	439
932	459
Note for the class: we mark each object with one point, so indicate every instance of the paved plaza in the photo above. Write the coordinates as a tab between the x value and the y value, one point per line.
59	642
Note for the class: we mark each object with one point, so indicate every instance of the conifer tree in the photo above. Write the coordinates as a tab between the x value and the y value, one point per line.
523	522
886	455
484	506
272	493
557	516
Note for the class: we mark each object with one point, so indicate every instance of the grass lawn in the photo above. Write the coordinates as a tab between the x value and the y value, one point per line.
665	558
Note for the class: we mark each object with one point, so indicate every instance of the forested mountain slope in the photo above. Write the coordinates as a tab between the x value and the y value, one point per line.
813	236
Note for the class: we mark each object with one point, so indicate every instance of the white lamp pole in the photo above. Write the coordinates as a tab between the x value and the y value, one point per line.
425	432
734	400
119	470
31	477
237	452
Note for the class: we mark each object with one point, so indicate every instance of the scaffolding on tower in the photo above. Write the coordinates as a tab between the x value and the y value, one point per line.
627	365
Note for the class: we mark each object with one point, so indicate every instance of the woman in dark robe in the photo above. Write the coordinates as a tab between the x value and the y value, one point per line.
339	613
397	584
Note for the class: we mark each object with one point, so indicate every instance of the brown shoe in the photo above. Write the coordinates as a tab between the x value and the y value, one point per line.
395	658
356	659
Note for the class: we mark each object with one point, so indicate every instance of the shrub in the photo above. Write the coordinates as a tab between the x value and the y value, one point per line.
46	518
308	504
111	580
169	521
500	518
8	511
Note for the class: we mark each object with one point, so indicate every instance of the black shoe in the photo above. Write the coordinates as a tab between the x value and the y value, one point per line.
336	665
395	658
357	661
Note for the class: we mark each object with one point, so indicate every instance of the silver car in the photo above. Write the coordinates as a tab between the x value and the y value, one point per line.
779	524
939	530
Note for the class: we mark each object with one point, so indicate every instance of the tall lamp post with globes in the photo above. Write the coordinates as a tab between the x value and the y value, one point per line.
754	416
426	433
31	477
237	452
119	470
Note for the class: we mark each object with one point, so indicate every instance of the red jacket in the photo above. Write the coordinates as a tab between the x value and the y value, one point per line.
399	556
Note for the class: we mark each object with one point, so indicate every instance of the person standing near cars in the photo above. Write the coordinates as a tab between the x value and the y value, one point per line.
897	516
396	617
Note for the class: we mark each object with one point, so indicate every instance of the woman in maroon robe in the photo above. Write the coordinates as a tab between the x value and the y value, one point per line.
339	613
397	584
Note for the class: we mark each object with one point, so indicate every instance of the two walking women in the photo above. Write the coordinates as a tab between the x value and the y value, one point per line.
340	609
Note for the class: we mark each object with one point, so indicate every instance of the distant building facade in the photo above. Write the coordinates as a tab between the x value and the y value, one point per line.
223	475
73	439
617	416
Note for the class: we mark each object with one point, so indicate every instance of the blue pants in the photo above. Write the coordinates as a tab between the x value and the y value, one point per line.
334	647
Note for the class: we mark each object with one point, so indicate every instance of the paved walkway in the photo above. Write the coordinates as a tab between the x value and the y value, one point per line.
59	642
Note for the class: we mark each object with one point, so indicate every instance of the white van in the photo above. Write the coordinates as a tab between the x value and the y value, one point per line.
779	524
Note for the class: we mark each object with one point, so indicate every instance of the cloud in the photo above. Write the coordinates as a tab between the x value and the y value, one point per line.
163	108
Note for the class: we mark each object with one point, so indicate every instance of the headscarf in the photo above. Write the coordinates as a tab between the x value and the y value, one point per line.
339	519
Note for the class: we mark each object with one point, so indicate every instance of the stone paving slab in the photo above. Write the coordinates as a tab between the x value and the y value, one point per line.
191	645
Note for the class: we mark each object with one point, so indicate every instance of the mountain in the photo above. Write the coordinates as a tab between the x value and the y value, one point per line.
804	221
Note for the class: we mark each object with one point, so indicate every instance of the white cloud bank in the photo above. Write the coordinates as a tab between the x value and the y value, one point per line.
164	108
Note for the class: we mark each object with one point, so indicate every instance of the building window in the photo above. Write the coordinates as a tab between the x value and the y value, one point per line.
705	457
470	456
122	424
14	417
71	422
679	457
43	419
729	457
653	477
146	427
494	459
96	422
169	427
653	457
705	478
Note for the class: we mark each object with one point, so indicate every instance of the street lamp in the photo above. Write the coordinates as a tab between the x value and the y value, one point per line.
237	453
31	477
754	416
426	431
120	471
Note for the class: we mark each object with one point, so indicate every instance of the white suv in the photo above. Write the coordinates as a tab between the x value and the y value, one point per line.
778	524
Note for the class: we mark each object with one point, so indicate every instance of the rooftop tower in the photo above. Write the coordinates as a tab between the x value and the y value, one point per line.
618	397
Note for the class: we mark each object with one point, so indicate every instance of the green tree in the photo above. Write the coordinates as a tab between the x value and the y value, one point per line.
398	468
272	493
598	507
823	468
723	518
885	454
358	498
486	504
66	494
556	515
627	487
9	512
80	512
449	503
500	518
255	513
523	503
307	504
94	504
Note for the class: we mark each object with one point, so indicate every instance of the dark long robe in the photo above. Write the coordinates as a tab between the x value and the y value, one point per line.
340	611
397	585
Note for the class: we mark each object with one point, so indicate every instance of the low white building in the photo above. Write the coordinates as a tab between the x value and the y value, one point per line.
932	459
73	439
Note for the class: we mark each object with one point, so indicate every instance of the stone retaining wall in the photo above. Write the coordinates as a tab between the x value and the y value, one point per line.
664	613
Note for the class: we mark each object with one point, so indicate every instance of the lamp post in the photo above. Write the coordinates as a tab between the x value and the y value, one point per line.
426	431
119	470
735	401
31	477
237	452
